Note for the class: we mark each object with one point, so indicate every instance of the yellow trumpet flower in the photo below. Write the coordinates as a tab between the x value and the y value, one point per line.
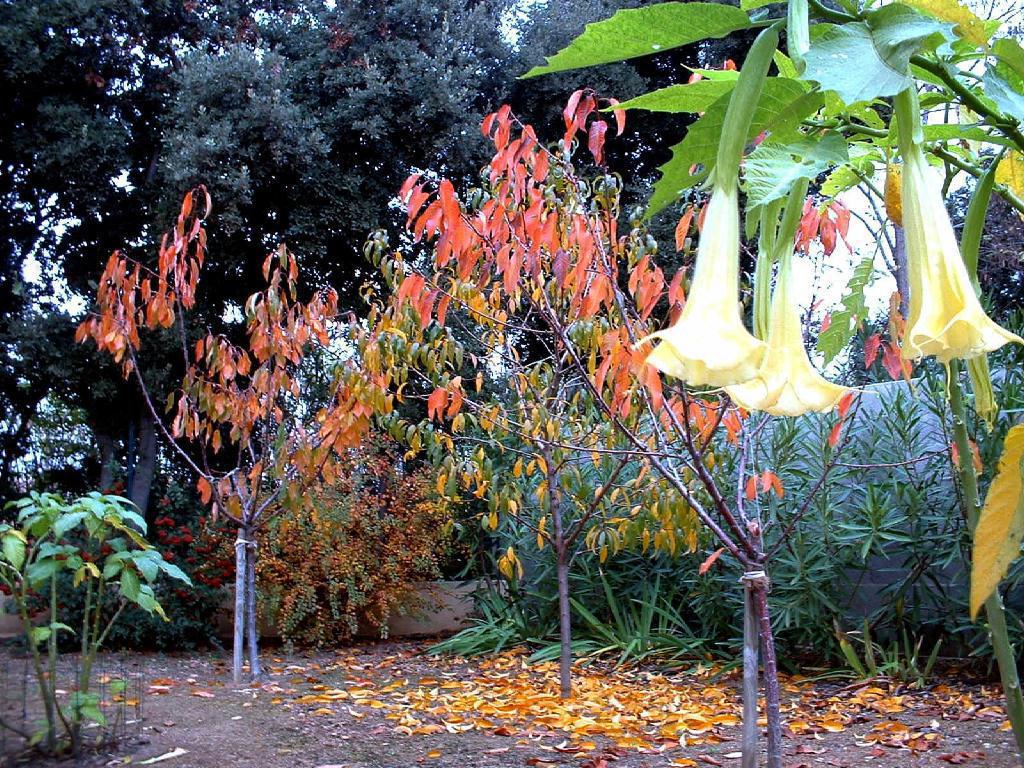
946	318
786	383
709	345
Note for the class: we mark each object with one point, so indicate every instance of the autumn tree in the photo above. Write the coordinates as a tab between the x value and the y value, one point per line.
241	418
535	261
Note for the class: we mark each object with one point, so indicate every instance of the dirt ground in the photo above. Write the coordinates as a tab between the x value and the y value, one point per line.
387	706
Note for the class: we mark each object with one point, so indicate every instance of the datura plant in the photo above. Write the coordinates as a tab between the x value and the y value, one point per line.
709	345
945	318
786	383
841	106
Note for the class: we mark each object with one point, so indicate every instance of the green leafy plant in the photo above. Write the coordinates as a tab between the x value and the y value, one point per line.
99	540
902	659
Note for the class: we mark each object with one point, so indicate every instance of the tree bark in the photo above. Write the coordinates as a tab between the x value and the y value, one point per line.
105	444
772	699
751	623
899	258
147	451
238	643
252	628
564	624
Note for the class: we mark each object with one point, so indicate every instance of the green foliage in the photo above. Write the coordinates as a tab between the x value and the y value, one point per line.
862	61
504	620
694	157
645	31
854	312
50	539
771	170
691	97
179	530
903	661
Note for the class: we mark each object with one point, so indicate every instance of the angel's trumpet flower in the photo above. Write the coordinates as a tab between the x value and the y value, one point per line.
945	316
786	383
709	345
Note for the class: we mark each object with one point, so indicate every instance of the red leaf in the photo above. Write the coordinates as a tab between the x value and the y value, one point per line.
569	113
826	322
833	436
893	362
676	294
436	403
409	184
871	347
595	140
845	402
683	228
706	565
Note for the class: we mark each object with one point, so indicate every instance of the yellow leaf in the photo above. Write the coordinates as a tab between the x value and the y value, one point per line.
968	26
998	535
1010	172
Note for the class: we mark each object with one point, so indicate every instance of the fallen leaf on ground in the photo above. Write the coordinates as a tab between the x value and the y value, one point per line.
176	752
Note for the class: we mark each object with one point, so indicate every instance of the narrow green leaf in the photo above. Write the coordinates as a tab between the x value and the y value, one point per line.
692	97
644	31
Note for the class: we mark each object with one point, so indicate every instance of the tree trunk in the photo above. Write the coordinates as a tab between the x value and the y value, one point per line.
751	623
564	624
105	444
238	643
772	700
899	258
252	628
147	451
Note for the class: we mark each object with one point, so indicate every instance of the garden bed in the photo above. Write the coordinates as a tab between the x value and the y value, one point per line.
386	706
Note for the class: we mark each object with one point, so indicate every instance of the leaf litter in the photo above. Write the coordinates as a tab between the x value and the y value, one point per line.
616	711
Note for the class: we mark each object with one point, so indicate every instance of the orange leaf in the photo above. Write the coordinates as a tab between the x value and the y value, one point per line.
682	229
706	565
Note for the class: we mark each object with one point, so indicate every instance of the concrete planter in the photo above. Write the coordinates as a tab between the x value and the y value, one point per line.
446	608
442	608
10	623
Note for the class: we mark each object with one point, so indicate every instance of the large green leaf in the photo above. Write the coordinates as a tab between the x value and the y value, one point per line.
1006	89
771	170
14	546
692	97
643	31
854	310
865	60
700	146
1010	53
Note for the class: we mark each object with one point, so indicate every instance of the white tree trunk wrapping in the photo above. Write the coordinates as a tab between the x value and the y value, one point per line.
238	645
750	749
